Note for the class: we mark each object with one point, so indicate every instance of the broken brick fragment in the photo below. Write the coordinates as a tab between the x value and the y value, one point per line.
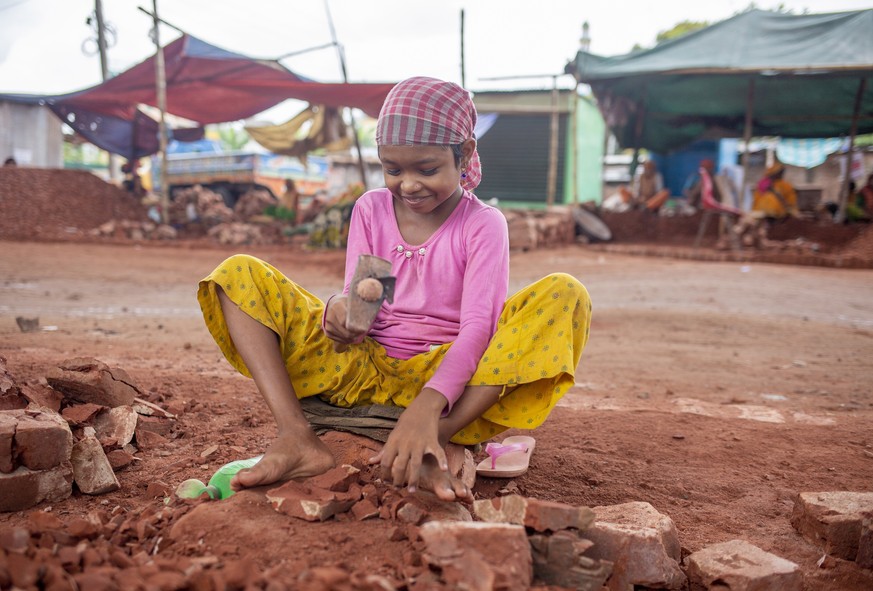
310	503
364	509
739	565
80	414
559	560
92	471
86	379
336	479
25	488
534	513
473	554
43	440
832	520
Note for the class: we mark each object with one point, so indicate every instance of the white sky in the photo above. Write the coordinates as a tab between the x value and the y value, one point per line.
41	41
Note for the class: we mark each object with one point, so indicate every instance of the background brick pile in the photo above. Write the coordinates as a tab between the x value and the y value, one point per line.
50	204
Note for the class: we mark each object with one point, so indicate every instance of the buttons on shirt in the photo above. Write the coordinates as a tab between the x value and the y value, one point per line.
408	253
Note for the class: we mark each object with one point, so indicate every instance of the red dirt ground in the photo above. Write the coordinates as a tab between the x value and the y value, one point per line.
714	391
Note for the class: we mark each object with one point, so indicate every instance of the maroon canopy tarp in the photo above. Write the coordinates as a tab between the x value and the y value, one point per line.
206	84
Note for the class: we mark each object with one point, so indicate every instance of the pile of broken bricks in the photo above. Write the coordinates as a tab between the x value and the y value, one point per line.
78	427
513	542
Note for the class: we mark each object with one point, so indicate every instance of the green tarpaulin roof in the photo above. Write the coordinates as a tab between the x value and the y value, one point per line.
802	72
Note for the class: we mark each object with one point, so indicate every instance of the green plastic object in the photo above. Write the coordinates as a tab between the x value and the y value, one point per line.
219	485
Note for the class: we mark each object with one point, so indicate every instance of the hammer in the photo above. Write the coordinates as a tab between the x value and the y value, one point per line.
371	284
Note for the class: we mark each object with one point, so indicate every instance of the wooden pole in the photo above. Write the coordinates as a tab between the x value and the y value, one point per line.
553	146
463	68
161	83
844	190
101	38
638	133
747	138
114	168
342	59
574	122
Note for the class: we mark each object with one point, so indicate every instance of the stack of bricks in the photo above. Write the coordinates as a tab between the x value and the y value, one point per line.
532	229
35	449
555	532
61	436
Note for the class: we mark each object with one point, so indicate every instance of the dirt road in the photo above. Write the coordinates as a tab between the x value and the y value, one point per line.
714	391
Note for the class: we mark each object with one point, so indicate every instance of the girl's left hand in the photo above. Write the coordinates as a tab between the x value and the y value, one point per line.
415	436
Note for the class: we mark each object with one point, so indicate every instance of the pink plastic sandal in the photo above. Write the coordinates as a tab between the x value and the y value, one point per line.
507	459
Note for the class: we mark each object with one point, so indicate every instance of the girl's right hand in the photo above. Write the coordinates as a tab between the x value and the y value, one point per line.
335	325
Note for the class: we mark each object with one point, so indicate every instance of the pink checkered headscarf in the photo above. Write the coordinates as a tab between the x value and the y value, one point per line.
426	111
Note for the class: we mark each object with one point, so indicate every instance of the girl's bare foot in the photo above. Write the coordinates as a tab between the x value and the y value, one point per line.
442	484
291	455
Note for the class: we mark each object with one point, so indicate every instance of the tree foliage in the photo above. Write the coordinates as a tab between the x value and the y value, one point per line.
232	138
679	29
688	26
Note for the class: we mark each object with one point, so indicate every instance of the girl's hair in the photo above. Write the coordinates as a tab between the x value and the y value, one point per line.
457	152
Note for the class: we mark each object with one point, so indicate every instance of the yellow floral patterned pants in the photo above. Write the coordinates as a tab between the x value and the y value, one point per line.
534	353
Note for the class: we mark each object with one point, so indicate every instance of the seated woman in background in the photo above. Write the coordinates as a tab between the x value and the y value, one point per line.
774	198
649	192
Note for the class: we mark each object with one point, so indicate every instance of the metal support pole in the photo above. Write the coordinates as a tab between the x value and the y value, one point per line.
844	190
161	84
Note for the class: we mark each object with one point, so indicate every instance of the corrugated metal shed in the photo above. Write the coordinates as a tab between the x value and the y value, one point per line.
515	150
31	134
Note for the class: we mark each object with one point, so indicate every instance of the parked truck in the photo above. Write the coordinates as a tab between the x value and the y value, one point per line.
232	174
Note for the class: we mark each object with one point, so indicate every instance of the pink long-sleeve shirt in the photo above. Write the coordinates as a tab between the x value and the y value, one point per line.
450	289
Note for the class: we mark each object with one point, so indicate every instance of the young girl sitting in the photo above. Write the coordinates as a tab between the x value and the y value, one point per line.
463	361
